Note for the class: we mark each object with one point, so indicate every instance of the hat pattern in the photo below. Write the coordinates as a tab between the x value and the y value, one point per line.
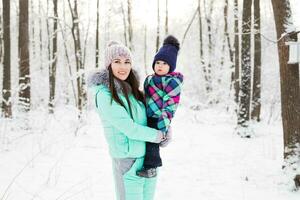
115	49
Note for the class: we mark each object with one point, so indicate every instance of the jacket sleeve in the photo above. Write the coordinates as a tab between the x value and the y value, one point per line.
118	117
170	102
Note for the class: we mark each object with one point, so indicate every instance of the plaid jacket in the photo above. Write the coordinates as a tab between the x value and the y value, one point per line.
162	97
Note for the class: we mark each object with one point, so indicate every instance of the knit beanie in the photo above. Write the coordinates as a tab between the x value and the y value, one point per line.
115	49
168	52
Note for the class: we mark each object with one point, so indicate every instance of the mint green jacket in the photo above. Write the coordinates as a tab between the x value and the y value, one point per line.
126	137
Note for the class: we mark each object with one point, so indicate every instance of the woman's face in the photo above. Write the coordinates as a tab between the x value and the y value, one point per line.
121	67
161	67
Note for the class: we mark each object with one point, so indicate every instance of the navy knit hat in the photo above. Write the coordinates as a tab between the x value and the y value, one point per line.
168	52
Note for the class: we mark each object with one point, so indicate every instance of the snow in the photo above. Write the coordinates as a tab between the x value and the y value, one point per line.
207	161
294	52
45	157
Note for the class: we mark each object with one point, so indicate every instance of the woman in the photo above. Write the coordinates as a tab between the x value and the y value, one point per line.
121	108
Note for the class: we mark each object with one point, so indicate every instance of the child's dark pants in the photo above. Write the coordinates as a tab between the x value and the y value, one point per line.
152	157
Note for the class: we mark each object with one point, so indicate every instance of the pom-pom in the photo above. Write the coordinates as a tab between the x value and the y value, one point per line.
171	40
111	43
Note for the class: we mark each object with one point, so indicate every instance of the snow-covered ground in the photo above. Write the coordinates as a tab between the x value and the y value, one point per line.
206	160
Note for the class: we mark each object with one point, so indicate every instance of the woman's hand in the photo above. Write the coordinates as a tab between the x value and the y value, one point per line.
160	137
168	138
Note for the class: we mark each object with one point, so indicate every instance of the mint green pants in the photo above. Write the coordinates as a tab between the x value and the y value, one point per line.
128	185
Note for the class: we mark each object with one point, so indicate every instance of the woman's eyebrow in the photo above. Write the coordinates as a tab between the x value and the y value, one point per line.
117	59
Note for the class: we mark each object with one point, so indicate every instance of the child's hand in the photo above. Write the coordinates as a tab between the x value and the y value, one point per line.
167	139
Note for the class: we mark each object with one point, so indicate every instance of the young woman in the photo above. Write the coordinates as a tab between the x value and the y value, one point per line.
121	108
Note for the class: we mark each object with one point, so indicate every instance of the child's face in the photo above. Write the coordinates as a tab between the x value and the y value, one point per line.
161	67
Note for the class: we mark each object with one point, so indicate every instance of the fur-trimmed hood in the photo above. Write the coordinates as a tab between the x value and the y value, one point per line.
102	78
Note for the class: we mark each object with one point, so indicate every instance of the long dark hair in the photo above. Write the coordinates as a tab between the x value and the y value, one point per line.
134	84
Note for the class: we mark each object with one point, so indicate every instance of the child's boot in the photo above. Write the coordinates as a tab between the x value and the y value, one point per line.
147	173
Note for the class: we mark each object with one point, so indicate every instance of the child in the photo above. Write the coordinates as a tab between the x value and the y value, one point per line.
162	91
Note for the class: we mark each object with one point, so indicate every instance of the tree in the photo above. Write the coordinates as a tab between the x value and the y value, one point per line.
289	84
208	17
97	37
244	104
6	91
157	30
1	37
130	29
201	39
167	20
67	60
236	76
226	38
127	23
255	111
40	35
24	73
52	66
81	91
32	29
124	24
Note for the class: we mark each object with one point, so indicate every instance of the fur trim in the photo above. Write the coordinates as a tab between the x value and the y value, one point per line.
102	78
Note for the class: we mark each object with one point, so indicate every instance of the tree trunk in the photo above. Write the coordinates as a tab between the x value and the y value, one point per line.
24	74
230	48
6	91
256	105
1	37
157	32
289	84
130	29
63	34
189	26
52	70
67	72
201	40
124	24
97	37
167	19
41	35
49	35
1	34
84	46
226	39
225	12
210	47
244	106
81	92
32	29
226	36
236	78
107	25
